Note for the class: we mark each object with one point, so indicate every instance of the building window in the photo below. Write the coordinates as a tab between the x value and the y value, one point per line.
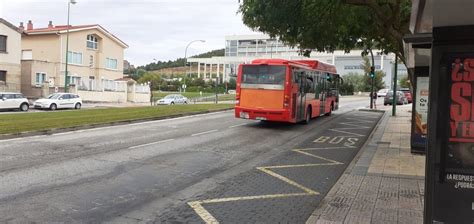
74	58
91	61
111	63
3	76
3	43
40	78
92	42
76	80
26	55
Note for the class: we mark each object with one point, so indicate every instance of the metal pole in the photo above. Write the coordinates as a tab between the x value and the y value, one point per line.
67	46
186	58
394	102
373	80
216	85
372	94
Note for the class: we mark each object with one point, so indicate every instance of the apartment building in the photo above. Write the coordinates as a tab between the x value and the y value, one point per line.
240	49
10	56
94	56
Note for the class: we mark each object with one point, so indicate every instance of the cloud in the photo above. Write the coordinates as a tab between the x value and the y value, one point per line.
158	29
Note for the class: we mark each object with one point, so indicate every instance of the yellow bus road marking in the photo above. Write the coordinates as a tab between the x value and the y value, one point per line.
291	182
245	198
208	218
202	212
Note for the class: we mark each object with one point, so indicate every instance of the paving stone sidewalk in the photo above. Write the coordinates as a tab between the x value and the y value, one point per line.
385	184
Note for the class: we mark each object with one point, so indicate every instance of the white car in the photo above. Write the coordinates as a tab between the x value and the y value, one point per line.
9	101
59	101
382	92
173	99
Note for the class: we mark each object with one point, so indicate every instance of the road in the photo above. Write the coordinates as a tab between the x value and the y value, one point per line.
178	170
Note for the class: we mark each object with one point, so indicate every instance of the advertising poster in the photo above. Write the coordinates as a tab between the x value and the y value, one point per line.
460	151
421	111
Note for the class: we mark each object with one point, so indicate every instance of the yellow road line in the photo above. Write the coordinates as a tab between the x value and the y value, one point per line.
202	212
315	156
273	174
209	219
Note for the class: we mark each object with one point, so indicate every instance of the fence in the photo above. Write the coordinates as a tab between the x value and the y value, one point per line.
111	91
101	85
142	88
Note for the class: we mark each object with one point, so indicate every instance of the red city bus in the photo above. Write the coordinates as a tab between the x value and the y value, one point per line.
286	90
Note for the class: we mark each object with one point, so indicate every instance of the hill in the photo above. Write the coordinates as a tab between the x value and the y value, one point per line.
160	65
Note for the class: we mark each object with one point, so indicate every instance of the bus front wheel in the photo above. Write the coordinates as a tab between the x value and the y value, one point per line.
308	116
330	111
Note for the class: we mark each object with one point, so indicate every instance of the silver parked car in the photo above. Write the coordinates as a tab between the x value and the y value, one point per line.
11	101
173	99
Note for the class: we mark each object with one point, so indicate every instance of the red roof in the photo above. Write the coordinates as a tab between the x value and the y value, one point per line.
58	28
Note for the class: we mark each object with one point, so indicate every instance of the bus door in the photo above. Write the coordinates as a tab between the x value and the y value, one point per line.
301	98
322	95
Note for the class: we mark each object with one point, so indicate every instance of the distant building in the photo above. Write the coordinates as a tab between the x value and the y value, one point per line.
241	49
10	56
95	58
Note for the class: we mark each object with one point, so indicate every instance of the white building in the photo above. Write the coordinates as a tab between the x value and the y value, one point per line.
241	49
10	57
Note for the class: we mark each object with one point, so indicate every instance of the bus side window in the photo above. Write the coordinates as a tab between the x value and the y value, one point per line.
294	77
318	84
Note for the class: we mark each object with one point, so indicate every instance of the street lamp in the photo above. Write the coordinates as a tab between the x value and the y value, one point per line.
186	59
67	42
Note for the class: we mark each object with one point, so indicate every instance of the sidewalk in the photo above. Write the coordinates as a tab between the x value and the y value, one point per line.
384	185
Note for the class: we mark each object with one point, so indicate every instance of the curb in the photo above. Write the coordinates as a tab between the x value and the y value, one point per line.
115	123
332	192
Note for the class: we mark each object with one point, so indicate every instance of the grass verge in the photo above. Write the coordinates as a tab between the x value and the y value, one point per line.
27	122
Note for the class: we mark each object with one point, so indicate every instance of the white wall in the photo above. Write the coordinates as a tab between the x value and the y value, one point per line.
13	55
113	97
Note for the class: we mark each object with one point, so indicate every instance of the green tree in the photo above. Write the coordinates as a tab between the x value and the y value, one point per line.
404	82
155	79
232	83
379	75
346	89
356	80
327	25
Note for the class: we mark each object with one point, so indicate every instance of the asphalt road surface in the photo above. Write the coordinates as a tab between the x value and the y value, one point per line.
197	169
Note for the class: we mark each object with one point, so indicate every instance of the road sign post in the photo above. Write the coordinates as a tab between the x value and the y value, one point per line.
372	79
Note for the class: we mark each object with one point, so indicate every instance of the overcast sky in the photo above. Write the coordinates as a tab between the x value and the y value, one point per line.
158	29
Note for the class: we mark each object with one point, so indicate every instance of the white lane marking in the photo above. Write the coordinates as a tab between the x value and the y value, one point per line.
203	133
151	143
238	125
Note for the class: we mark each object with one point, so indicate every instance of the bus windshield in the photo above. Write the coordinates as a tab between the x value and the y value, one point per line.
264	74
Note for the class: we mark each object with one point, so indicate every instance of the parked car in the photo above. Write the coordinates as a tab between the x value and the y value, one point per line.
173	99
407	93
401	99
13	101
59	101
382	92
